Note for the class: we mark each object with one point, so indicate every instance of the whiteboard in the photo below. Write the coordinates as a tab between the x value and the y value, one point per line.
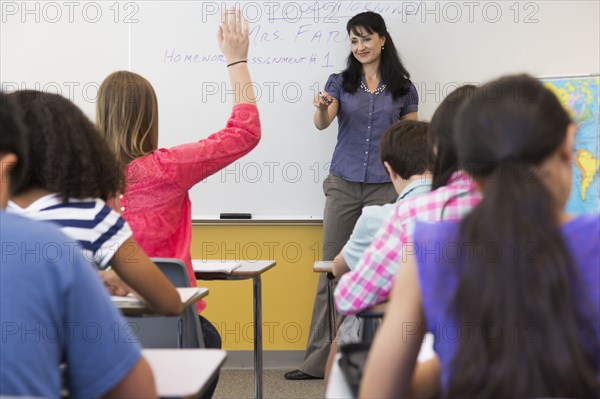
69	47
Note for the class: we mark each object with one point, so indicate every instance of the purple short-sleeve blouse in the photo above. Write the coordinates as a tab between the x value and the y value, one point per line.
363	117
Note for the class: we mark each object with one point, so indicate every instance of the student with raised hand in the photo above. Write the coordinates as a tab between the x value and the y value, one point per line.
453	196
525	314
72	173
156	202
370	95
66	317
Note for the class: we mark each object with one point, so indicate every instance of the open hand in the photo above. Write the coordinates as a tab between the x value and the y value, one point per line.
233	36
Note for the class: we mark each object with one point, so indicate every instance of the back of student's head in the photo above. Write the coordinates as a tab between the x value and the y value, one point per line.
13	137
441	135
532	338
404	147
68	155
127	115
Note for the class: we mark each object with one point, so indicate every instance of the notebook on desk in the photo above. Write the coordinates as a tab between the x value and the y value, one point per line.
128	300
188	296
215	266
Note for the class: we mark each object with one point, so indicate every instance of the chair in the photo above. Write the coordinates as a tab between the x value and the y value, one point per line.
165	331
331	319
326	266
371	319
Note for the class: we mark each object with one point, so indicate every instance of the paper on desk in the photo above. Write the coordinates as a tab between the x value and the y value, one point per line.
127	299
215	266
186	294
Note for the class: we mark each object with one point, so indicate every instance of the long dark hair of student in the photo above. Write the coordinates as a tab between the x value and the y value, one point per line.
441	136
528	338
68	155
393	72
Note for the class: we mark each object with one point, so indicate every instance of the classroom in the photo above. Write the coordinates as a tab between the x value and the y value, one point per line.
261	204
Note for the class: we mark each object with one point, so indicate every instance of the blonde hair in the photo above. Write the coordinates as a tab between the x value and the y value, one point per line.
127	115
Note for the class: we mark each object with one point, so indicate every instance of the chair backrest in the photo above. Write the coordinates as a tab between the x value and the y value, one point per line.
163	331
370	321
174	270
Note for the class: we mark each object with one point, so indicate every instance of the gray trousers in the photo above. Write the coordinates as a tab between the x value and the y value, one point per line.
344	201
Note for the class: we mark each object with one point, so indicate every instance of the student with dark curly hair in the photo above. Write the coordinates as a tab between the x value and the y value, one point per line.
13	154
66	293
72	173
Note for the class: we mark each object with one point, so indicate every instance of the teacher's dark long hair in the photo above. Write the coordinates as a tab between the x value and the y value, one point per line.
532	332
393	72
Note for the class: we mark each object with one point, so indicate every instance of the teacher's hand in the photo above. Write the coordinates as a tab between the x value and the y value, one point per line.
322	101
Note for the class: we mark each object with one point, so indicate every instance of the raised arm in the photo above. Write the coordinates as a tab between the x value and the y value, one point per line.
189	164
234	42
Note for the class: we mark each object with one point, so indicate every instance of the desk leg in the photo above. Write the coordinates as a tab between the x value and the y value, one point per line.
258	350
331	322
180	332
330	305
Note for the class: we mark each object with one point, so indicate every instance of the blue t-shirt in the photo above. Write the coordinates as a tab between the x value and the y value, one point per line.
53	310
362	119
439	263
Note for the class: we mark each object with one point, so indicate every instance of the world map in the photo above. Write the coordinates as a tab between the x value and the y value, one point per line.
580	96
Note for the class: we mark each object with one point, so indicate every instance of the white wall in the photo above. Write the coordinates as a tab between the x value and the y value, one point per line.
72	46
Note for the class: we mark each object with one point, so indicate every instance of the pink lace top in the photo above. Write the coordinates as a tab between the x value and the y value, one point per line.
156	203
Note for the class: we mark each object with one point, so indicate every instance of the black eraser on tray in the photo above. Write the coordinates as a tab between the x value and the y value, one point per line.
235	216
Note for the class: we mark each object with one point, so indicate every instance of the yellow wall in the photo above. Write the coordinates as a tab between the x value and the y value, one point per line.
288	289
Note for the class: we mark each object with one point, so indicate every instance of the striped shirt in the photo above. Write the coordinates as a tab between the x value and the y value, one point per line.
98	229
371	282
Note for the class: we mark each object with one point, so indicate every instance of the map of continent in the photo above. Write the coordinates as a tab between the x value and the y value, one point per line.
580	96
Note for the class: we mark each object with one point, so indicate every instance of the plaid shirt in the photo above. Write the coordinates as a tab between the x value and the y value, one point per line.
371	282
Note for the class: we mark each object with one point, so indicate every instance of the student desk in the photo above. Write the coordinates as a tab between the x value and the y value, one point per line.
184	372
326	266
131	306
248	270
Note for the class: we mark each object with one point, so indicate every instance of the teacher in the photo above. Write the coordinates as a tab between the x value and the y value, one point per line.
371	94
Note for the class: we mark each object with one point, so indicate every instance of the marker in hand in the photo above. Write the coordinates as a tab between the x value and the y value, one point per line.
327	100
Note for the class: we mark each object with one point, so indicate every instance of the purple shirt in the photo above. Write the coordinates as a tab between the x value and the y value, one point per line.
362	119
439	265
